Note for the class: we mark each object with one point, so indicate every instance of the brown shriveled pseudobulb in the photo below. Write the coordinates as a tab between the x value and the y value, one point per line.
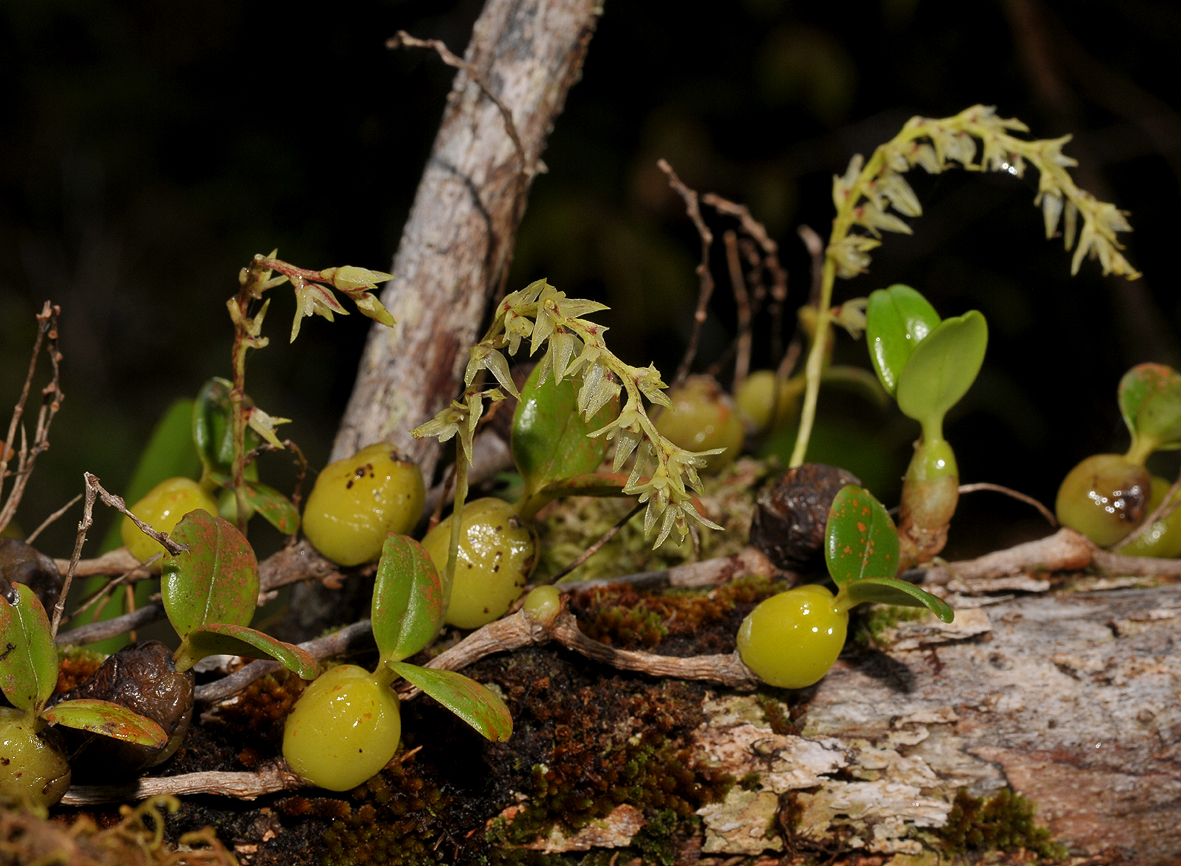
788	524
23	563
143	678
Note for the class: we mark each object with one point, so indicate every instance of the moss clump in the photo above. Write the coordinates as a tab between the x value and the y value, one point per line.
708	620
1003	822
76	665
778	716
571	524
877	618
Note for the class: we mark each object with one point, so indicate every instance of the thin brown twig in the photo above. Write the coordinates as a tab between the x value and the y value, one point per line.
704	276
742	305
598	545
770	259
48	521
51	400
268	779
124	579
112	627
1014	494
1162	512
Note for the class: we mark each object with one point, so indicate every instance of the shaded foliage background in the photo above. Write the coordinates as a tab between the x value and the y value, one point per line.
148	149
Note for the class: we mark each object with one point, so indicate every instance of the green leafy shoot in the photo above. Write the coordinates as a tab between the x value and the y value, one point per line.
213	434
28	663
108	719
662	474
896	320
408	603
1150	401
210	593
865	195
862	551
474	703
28	676
860	540
238	640
940	371
551	439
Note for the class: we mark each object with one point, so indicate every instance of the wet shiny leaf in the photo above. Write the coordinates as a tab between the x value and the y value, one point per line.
897	320
1150	401
28	658
216	581
109	719
408	604
224	639
942	367
889	590
550	438
475	704
860	540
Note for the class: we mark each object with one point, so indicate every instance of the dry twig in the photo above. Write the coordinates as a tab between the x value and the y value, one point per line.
243	786
51	400
703	274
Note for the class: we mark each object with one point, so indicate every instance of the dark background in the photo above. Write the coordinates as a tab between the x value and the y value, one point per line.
148	149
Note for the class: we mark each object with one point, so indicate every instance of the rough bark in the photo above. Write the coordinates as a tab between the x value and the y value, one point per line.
1069	699
457	243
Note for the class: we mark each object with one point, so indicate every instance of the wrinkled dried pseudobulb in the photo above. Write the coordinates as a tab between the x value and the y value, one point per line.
143	678
788	524
23	563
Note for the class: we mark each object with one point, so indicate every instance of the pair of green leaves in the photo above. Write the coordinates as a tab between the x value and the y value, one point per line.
861	548
28	677
1150	401
210	593
552	447
925	362
407	613
213	435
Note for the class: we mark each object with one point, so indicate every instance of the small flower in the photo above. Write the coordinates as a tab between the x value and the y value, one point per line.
485	357
873	218
313	299
843	186
264	425
851	254
351	280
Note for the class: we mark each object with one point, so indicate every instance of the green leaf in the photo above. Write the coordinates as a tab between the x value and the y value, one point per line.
859	539
408	602
216	581
109	719
1150	401
550	438
213	433
942	368
897	319
28	658
225	639
475	704
275	508
890	590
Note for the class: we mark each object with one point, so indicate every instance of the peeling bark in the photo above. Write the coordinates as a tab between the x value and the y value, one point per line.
1069	699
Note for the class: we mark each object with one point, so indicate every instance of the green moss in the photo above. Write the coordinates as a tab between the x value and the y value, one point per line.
877	618
1003	822
778	716
619	615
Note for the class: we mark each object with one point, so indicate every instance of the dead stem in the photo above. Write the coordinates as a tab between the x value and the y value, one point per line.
704	276
744	340
769	260
51	400
243	786
48	521
1008	491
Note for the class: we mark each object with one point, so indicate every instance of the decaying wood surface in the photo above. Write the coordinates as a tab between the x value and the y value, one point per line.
1071	699
458	240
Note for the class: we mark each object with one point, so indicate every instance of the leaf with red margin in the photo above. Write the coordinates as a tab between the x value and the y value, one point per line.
407	610
474	703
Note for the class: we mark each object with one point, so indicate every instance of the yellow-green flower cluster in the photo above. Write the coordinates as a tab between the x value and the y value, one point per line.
867	192
663	474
